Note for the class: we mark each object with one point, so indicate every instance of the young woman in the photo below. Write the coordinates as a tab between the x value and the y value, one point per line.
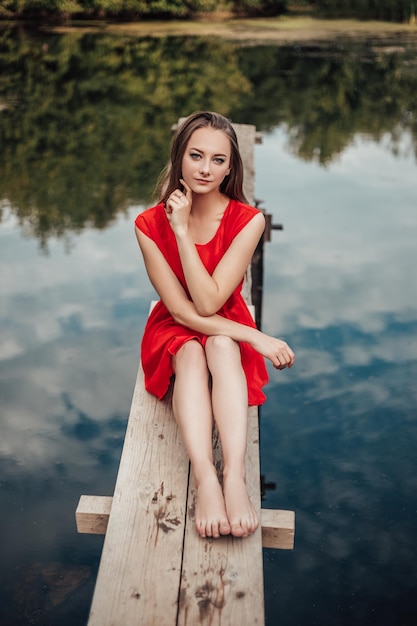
197	244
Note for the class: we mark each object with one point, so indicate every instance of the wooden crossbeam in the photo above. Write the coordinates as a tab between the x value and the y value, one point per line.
278	526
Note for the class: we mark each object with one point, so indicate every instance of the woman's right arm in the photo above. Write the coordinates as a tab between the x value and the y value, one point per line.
185	313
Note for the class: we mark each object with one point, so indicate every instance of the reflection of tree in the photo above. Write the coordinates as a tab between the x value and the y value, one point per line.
395	10
325	96
91	129
85	119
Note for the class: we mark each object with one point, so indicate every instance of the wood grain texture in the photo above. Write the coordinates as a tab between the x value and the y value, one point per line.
277	525
222	579
140	568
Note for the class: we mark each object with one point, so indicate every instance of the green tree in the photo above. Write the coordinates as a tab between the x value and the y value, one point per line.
394	10
86	119
266	8
122	8
345	90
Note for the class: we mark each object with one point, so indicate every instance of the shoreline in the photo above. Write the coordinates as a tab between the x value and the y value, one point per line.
248	30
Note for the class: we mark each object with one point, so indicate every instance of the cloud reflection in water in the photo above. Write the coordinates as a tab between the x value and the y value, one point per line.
339	431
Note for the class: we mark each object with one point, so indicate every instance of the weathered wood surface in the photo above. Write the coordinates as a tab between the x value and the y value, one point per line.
153	561
140	567
155	569
277	526
247	137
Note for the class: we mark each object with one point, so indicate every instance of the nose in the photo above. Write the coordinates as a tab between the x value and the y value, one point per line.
205	166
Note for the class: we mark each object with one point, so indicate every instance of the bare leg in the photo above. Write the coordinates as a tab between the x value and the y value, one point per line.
230	407
193	412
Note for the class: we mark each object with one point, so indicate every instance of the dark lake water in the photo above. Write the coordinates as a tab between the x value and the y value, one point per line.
84	130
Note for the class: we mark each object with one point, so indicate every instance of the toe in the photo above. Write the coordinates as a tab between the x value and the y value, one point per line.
215	530
237	530
201	529
209	530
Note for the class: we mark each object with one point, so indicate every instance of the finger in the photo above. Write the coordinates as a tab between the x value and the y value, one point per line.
277	364
282	359
186	188
289	359
173	202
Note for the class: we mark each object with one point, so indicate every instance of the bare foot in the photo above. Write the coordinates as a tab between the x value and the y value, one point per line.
240	510
210	518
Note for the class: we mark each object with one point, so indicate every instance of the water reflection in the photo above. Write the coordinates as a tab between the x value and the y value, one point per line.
85	131
71	325
85	119
59	320
339	431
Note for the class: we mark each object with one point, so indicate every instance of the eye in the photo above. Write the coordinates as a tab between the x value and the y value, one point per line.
219	160
195	155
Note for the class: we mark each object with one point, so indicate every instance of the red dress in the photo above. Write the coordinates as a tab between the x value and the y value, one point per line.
162	336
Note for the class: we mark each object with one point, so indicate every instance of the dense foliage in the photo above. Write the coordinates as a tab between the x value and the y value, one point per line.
104	101
85	119
265	8
140	8
345	91
394	10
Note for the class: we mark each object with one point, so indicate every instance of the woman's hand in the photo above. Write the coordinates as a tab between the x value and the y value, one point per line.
276	350
178	207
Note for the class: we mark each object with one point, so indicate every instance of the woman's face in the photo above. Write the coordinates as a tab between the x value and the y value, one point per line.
206	160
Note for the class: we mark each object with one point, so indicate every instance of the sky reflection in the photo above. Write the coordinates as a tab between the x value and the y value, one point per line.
338	431
71	323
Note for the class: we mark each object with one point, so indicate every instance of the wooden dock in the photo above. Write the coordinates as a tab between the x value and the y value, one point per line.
155	569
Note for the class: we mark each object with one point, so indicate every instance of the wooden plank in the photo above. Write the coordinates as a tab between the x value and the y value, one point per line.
278	526
247	137
143	577
222	579
92	514
140	568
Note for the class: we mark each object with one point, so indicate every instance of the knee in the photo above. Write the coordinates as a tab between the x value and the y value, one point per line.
220	342
220	347
190	355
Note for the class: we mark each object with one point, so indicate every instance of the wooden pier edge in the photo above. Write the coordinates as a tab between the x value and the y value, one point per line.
278	526
154	568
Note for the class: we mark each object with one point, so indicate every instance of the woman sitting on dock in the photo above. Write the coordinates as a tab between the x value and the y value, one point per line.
197	243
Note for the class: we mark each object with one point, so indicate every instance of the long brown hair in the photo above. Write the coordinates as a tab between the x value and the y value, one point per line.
232	185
